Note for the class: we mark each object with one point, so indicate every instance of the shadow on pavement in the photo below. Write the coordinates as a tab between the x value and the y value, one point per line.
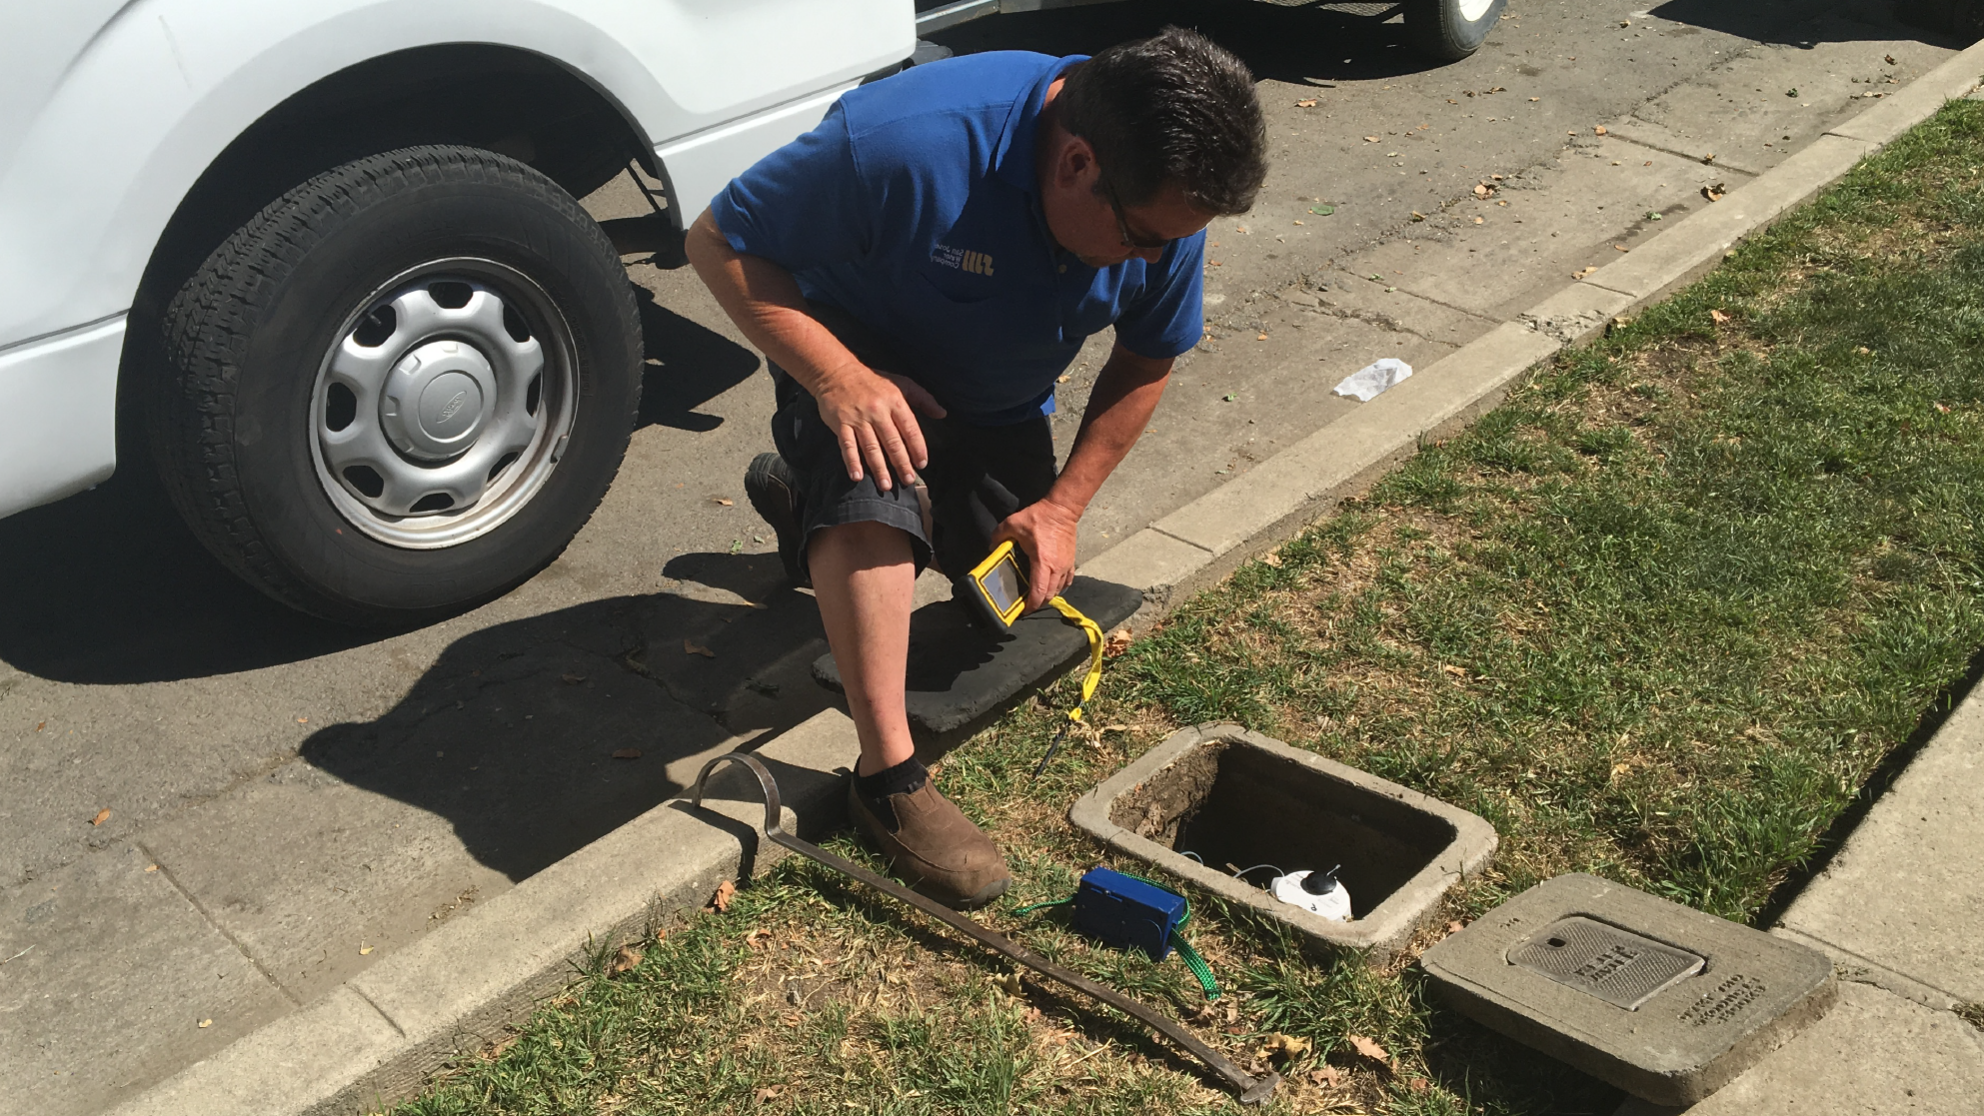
1309	43
687	366
511	735
1800	24
109	587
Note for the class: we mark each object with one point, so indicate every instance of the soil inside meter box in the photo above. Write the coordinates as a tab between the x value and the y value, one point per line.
1233	797
959	671
1659	999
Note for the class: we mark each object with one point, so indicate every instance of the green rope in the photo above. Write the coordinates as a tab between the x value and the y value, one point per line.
1193	961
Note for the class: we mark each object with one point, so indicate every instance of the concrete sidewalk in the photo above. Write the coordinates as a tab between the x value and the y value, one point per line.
1900	910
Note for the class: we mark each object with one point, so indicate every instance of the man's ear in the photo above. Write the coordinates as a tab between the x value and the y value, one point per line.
1074	163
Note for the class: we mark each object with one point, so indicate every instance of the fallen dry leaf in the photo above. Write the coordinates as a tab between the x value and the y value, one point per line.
1271	558
691	647
1260	337
1482	189
1117	643
1942	408
366	951
1708	158
1456	926
722	502
1718	316
151	867
40	725
1890	59
1714	193
1453	670
1009	983
1369	1048
1115	728
725	891
205	1023
1582	274
626	753
1306	102
1419	1085
765	1093
1289	1047
1370	139
102	816
1620	248
624	959
759	938
1418	216
1598	131
1326	1077
572	679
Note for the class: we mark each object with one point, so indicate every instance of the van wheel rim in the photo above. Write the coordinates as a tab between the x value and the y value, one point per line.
444	403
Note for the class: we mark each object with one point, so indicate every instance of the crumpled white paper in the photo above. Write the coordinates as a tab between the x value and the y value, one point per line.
1369	382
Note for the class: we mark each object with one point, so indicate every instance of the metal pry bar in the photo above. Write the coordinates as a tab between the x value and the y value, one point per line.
1252	1090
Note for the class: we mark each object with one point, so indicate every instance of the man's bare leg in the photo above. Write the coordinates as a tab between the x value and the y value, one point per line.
864	576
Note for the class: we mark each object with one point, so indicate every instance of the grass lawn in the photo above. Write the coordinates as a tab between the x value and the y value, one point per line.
1659	617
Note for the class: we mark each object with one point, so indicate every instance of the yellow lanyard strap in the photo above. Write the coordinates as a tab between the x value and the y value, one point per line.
1089	681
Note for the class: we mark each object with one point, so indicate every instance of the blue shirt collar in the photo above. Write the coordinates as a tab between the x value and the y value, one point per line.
1013	161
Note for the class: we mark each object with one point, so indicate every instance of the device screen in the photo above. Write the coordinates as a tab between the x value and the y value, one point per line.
1005	585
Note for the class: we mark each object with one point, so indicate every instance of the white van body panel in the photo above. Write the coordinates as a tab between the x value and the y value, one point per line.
110	112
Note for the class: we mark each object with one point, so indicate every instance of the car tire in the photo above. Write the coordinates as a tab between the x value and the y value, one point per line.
401	388
1450	30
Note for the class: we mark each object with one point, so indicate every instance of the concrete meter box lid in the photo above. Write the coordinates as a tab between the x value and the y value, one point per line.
1659	999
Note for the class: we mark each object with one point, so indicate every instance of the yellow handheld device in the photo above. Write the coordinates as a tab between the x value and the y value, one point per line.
999	590
1000	585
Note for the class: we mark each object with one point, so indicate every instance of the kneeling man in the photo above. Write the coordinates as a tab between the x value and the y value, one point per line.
919	270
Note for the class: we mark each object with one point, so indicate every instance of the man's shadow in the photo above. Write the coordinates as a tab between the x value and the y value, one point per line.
535	737
109	587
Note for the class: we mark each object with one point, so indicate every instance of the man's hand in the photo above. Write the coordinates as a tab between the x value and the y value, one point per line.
1046	532
874	416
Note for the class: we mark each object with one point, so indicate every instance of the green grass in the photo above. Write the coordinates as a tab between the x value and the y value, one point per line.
1658	617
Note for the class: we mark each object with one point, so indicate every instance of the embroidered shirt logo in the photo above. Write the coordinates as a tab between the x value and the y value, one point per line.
964	259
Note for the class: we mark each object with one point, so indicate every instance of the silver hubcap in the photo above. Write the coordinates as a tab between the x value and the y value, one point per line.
444	405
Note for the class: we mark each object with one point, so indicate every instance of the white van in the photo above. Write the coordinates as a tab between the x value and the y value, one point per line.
324	256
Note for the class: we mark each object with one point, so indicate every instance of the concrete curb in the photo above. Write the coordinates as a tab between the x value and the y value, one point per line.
377	1038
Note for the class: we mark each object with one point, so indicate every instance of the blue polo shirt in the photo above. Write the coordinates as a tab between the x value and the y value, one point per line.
913	207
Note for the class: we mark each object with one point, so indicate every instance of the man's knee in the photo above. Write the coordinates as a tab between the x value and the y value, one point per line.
861	543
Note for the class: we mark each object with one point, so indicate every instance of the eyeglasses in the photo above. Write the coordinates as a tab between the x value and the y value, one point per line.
1123	226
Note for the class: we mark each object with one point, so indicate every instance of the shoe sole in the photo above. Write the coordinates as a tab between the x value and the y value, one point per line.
764	481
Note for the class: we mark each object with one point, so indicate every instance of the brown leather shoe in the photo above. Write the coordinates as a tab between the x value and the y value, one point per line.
935	848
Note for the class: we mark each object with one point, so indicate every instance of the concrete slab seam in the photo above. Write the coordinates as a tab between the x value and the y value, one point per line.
1860	970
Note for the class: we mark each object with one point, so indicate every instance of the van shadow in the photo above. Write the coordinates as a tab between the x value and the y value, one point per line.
536	737
1308	43
109	587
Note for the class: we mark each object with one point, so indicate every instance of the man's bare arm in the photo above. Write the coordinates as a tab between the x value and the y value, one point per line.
1125	396
870	412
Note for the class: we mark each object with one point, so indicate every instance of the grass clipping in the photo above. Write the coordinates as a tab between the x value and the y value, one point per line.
1658	617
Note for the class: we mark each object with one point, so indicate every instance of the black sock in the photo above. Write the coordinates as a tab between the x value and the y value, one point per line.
906	777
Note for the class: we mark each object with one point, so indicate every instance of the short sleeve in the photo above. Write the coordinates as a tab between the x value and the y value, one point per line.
802	206
1168	318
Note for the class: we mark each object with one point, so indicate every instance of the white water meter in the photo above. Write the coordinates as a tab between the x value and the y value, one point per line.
1319	893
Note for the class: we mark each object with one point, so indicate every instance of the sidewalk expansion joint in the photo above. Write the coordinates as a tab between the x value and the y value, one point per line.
1692	158
223	931
1864	970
